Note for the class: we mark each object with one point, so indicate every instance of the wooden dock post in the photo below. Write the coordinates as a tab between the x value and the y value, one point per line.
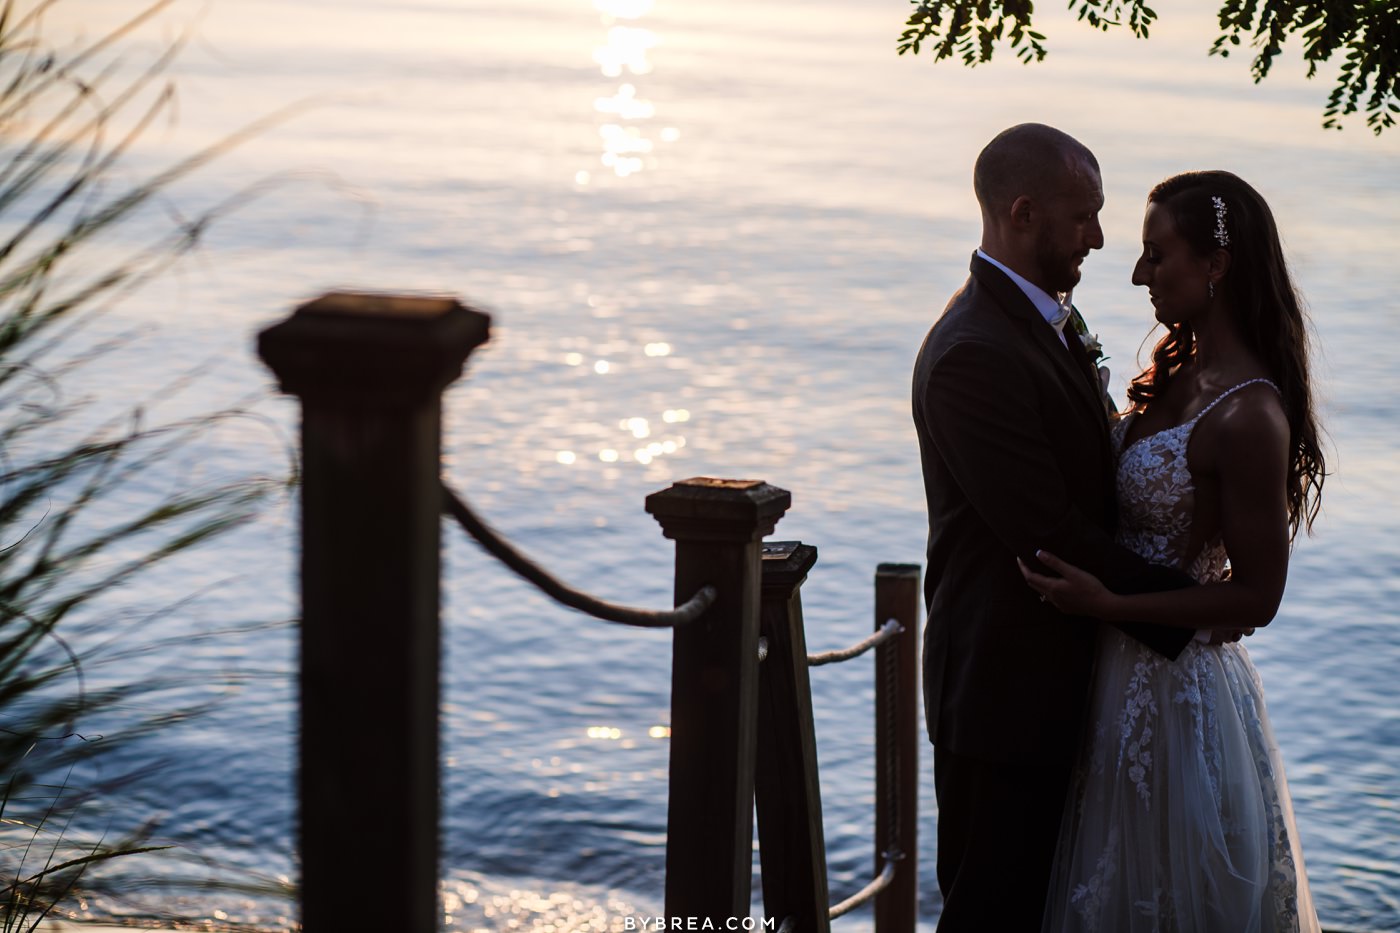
370	370
791	840
717	526
897	740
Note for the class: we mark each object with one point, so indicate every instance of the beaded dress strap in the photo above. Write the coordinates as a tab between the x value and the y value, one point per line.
1230	391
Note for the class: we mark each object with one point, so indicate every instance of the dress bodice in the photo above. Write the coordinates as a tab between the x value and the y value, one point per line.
1157	498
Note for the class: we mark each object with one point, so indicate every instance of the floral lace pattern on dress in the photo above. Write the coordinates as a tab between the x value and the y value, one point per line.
1205	711
1157	499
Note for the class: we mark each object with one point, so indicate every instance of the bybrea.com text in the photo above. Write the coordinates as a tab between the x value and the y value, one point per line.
697	924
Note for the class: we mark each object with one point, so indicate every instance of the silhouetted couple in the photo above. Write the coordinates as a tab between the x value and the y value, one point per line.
1103	760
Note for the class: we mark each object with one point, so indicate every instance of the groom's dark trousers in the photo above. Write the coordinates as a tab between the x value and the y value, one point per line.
996	837
1016	456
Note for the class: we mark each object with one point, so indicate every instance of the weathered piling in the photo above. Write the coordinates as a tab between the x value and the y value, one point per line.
791	841
717	526
897	741
370	370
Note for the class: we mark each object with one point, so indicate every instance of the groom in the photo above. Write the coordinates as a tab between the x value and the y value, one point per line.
1015	448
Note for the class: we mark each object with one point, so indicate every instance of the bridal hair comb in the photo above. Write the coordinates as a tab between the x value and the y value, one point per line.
1222	236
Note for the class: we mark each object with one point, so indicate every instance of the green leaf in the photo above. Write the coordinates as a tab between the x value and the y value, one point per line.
1366	32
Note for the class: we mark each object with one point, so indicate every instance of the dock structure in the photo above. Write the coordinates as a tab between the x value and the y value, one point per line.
370	370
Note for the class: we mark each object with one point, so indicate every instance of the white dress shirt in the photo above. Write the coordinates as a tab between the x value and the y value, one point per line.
1054	310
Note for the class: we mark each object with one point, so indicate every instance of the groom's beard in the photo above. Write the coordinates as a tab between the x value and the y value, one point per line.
1058	266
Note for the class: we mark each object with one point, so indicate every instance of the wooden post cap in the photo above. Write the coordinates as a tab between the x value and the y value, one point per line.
372	349
786	565
706	509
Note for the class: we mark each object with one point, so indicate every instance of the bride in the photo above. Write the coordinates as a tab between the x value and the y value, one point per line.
1179	818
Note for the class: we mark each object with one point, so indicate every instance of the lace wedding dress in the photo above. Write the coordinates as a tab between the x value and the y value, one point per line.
1179	819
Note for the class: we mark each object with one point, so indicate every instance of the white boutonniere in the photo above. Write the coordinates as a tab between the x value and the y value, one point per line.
1092	346
1094	349
1091	343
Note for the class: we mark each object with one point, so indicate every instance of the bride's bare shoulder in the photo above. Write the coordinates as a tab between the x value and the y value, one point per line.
1248	428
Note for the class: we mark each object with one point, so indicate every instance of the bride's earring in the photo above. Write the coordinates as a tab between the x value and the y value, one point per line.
1210	289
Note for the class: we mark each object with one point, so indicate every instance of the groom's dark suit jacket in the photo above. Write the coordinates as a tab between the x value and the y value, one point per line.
1016	456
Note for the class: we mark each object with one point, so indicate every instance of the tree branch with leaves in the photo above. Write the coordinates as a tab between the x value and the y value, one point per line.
1364	35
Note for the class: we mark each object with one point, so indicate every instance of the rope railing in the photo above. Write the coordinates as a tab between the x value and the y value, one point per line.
884	633
561	592
867	893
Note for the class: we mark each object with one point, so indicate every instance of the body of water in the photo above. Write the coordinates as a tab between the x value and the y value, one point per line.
711	234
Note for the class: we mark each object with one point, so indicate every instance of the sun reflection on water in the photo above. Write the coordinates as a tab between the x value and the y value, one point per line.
627	149
626	50
604	732
475	902
625	104
622	146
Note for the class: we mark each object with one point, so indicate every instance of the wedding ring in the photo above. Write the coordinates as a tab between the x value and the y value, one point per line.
1042	597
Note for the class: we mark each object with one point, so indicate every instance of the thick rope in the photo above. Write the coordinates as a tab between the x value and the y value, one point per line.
868	892
884	633
561	592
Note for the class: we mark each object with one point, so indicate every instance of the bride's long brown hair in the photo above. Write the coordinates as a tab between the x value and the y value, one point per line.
1268	315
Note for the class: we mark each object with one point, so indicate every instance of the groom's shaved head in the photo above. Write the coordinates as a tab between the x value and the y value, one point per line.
1028	159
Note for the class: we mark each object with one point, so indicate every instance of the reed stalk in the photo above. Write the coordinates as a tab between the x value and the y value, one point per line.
77	525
